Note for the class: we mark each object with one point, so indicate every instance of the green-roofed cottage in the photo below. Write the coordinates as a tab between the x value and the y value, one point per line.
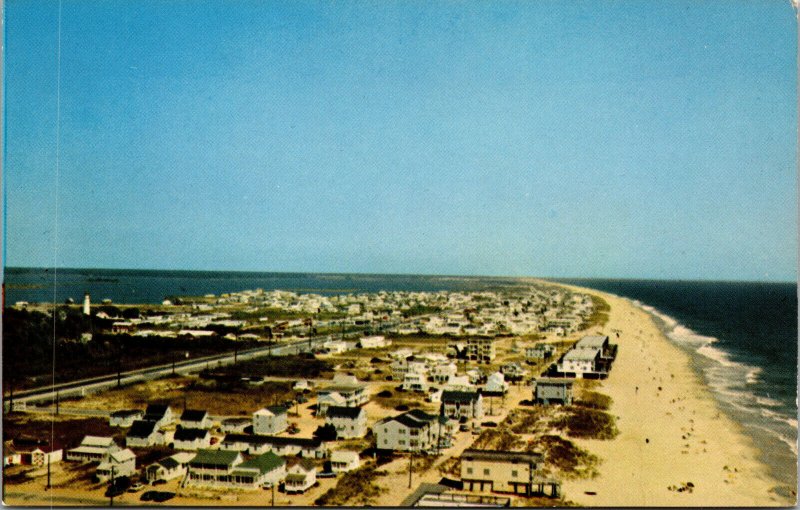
227	468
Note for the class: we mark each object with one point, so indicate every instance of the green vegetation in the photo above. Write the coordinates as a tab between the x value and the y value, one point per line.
527	421
304	366
594	400
599	315
356	488
497	439
421	310
587	423
563	456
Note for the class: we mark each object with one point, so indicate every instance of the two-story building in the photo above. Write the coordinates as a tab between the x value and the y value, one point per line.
270	420
414	430
349	421
196	419
115	464
456	404
92	449
499	471
548	391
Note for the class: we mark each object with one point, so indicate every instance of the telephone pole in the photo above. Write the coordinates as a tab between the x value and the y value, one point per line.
410	465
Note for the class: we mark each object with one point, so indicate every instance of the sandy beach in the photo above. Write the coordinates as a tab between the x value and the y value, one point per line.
671	430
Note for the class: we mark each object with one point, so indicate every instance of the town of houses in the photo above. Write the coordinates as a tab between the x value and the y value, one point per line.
459	383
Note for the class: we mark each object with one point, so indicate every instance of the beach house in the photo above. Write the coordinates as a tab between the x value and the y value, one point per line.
270	420
548	391
115	464
142	434
125	417
300	477
343	461
456	404
160	414
196	419
344	391
191	439
168	468
235	425
499	471
414	430
349	422
92	449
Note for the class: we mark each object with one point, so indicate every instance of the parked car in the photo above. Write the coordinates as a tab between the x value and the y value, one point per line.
463	427
489	424
136	487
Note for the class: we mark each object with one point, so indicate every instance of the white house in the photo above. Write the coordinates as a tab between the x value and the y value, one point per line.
117	463
168	468
270	420
343	461
302	385
415	381
345	391
456	404
301	477
580	361
442	372
92	449
159	413
335	346
191	439
459	383
143	434
414	430
349	421
196	419
236	425
496	383
125	417
374	342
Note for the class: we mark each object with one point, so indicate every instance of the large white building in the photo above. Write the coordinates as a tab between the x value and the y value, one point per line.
349	421
414	430
270	420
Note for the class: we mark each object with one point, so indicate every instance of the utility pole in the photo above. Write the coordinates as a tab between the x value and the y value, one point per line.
58	402
48	469
410	465
173	362
273	493
111	491
119	366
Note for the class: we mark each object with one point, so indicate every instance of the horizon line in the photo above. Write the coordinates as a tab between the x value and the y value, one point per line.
546	278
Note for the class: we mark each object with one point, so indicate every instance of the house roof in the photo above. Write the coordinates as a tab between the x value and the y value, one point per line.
142	428
305	465
125	413
122	455
343	412
554	381
501	455
214	458
296	477
190	434
592	341
263	463
459	396
156	411
582	354
194	415
169	463
97	441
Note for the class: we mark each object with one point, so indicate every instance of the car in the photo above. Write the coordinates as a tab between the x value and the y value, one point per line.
463	427
489	424
160	482
136	487
326	474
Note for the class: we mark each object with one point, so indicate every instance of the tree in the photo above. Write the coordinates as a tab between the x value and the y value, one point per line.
326	432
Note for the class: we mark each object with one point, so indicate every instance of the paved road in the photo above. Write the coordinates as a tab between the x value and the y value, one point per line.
92	385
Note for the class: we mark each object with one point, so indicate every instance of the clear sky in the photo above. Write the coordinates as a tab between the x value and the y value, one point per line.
549	138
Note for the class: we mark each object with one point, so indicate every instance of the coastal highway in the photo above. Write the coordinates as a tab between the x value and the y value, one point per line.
48	394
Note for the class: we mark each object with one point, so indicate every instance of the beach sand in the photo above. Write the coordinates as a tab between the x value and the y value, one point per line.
671	430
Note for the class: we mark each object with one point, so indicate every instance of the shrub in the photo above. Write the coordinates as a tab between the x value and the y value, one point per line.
587	423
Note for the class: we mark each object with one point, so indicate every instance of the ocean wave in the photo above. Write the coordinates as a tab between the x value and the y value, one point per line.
735	383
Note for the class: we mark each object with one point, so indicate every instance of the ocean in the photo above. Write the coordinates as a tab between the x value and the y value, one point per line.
742	337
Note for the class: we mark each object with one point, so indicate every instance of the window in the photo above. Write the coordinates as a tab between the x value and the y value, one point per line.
514	473
469	471
486	471
401	442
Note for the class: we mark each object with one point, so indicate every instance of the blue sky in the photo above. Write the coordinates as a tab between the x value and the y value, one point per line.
610	138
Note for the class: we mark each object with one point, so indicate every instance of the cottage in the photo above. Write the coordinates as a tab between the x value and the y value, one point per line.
415	381
374	342
191	439
212	467
125	417
414	430
345	391
235	425
349	421
92	449
512	371
552	391
264	470
143	434
270	420
117	463
343	461
301	477
456	404
459	383
442	372
249	443
196	419
580	362
159	413
499	471
305	447
496	384
302	385
168	468
539	352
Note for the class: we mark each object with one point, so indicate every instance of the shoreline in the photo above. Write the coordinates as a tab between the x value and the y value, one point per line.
672	429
